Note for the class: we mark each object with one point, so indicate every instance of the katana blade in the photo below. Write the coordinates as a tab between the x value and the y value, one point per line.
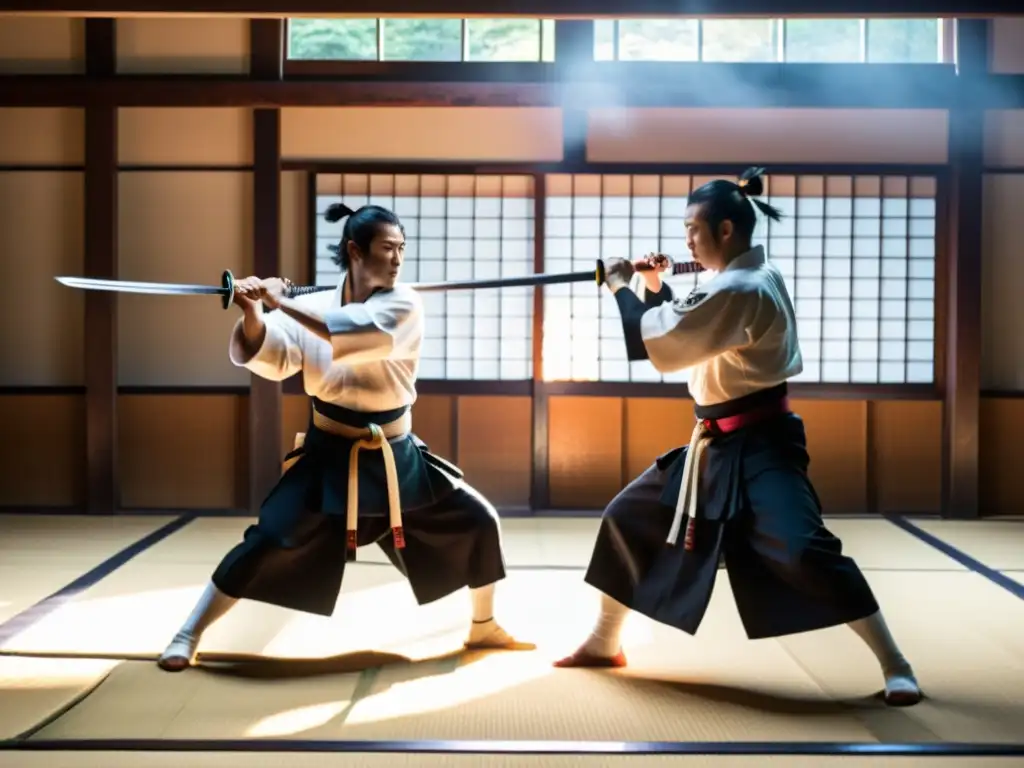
510	282
131	286
227	288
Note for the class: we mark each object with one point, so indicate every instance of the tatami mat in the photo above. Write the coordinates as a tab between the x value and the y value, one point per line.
999	544
42	553
717	686
356	760
383	668
33	690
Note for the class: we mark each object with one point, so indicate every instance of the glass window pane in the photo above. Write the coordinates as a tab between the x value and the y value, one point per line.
478	229
904	41
337	39
503	39
421	40
822	40
604	39
547	42
738	40
658	39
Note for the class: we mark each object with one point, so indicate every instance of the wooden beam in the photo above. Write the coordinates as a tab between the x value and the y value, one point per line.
580	9
265	404
613	85
540	485
962	359
101	241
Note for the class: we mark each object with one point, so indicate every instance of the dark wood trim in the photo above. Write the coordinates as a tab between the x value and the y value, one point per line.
178	391
540	482
685	85
961	438
797	391
536	389
264	407
453	429
581	165
458	387
1002	394
103	484
419	71
216	168
1008	170
581	9
128	168
41	168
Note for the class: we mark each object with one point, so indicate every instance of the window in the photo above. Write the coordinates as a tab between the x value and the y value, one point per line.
858	255
422	39
893	41
457	228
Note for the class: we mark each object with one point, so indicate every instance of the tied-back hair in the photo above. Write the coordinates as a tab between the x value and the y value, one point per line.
361	227
734	201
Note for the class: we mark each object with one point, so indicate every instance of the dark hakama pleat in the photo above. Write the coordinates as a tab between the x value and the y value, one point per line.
295	556
757	506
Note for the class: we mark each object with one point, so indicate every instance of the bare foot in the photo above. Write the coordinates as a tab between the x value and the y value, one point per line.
582	658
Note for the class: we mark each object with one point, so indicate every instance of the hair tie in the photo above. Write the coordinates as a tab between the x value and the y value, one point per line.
741	185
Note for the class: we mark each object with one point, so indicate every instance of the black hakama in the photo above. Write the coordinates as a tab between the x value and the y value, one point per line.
295	556
756	507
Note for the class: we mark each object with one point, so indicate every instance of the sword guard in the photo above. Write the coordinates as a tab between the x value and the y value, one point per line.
601	276
227	281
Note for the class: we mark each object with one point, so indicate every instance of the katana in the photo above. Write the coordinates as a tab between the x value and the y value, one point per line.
226	290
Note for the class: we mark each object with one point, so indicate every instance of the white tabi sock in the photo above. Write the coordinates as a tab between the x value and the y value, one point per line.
211	606
605	639
900	683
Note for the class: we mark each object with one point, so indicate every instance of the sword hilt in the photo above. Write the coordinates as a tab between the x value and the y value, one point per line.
678	268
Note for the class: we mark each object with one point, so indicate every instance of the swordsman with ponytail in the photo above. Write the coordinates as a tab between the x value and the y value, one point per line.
740	488
360	476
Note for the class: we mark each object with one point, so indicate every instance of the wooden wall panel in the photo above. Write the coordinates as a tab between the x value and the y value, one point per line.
905	449
183	45
41	235
426	133
42	136
432	423
495	436
183	227
44	450
1002	456
585	451
294	227
677	135
41	45
184	137
1004	138
294	419
652	426
837	441
1007	46
182	451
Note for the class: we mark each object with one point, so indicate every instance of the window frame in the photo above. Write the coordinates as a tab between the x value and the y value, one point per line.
579	56
537	386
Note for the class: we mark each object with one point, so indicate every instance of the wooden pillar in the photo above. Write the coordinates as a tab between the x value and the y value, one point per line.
100	214
961	411
265	404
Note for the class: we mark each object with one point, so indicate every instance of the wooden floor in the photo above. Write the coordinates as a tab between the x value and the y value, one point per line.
86	604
